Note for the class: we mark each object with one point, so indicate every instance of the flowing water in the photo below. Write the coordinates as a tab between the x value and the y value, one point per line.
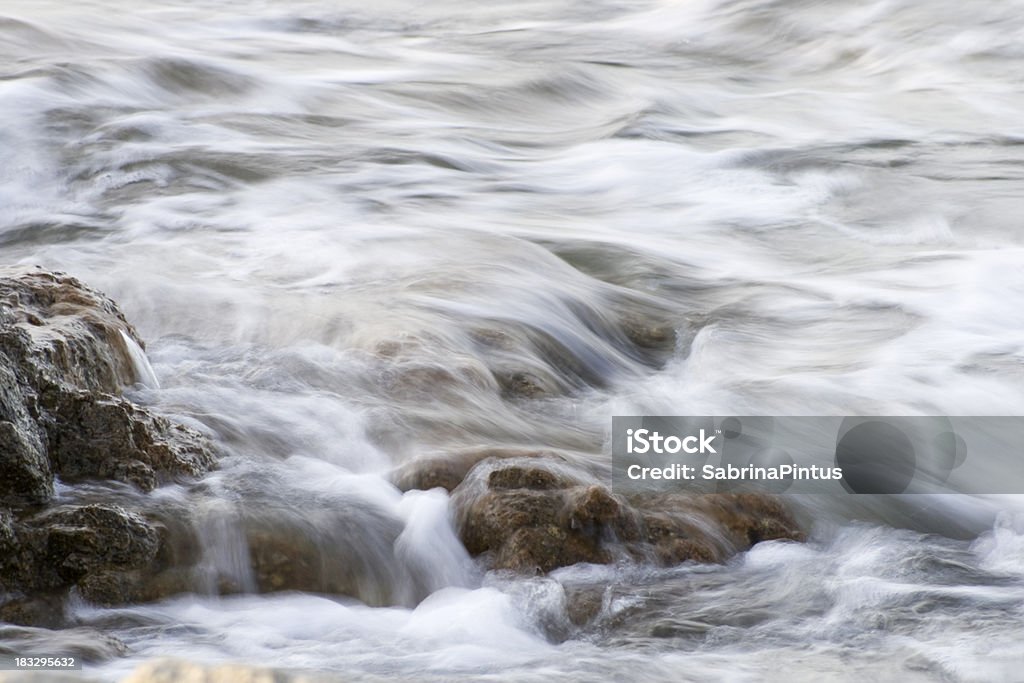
358	234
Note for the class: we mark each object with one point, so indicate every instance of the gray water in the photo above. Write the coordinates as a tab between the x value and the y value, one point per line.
352	235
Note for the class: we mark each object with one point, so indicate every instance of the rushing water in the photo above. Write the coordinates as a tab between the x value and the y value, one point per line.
346	230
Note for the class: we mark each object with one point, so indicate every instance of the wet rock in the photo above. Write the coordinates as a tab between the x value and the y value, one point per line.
516	477
448	470
65	355
529	517
121	587
341	551
42	611
63	332
517	383
583	604
105	552
18	552
652	335
597	343
435	472
25	472
111	438
84	540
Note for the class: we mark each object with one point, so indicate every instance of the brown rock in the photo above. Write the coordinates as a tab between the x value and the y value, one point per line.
583	603
449	469
529	518
64	358
66	353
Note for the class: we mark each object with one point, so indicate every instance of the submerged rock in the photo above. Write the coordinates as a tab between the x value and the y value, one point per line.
447	470
528	516
325	551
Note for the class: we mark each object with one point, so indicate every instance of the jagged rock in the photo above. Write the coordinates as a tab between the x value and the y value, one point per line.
49	552
529	517
111	438
25	472
111	556
66	352
85	540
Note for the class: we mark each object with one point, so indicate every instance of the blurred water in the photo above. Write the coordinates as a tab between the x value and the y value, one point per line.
353	236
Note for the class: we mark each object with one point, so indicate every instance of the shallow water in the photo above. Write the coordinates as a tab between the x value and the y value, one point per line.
356	236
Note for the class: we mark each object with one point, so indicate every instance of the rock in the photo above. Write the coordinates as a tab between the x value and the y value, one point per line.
25	472
435	472
583	604
711	527
343	551
65	355
448	470
517	477
111	438
177	671
525	520
87	539
529	517
42	611
70	334
48	553
109	555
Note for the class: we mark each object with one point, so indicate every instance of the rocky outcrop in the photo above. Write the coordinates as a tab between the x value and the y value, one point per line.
534	516
66	353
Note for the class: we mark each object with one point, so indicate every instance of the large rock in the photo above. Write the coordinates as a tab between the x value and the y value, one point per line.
533	516
66	353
